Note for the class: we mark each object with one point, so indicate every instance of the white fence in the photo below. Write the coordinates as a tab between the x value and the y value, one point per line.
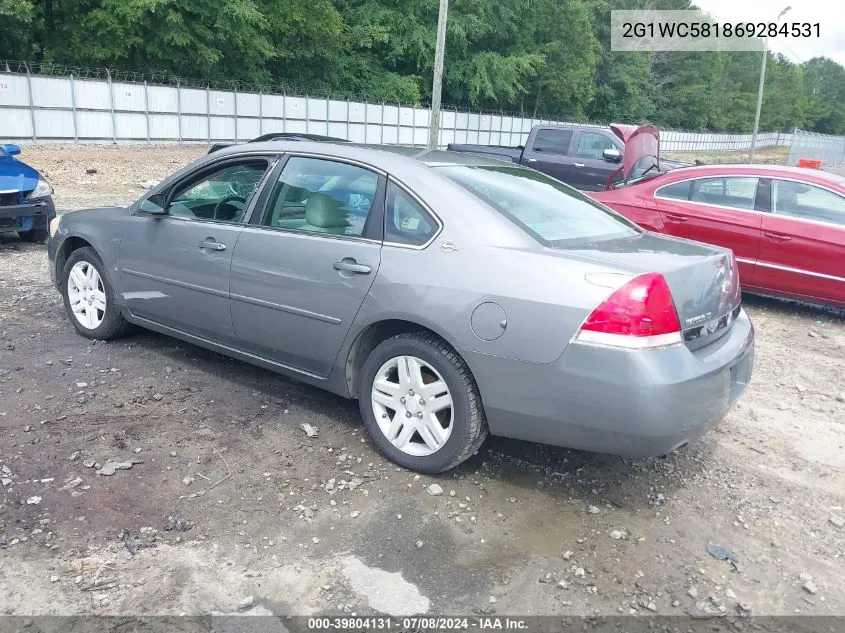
830	150
46	109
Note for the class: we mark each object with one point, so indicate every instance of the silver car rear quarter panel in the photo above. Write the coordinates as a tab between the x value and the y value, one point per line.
635	403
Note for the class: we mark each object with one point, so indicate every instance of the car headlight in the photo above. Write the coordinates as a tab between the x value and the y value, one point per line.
42	190
54	225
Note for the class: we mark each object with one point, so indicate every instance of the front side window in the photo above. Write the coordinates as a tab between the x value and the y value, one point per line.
553	213
321	196
220	195
800	200
593	144
737	193
406	221
553	141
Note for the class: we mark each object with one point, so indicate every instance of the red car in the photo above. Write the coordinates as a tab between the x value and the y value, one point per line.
785	225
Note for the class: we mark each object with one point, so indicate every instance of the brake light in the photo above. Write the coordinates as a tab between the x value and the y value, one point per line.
639	315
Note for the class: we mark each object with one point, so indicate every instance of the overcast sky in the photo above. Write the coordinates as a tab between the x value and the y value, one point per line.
829	13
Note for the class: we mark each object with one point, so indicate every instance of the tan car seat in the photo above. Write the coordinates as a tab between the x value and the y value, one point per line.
325	215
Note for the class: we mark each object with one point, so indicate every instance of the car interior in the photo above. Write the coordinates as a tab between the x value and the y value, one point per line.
222	195
407	222
729	192
321	197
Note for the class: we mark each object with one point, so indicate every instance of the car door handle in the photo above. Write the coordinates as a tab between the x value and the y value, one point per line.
530	160
212	245
577	164
676	218
349	265
777	237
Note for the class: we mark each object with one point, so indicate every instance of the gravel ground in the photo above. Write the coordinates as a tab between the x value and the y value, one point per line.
148	476
106	175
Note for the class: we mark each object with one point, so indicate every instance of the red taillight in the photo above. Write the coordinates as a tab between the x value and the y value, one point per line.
640	314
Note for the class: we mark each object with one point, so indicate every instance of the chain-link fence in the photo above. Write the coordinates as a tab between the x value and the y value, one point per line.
57	103
807	148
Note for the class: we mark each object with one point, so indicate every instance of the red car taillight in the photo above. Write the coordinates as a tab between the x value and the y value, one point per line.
641	314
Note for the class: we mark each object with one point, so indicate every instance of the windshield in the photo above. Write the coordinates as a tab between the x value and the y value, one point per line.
553	213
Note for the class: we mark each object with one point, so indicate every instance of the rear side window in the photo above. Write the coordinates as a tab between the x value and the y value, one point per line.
675	191
800	200
321	196
553	213
737	193
406	221
553	141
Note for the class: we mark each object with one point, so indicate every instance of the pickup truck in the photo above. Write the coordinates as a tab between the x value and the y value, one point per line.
580	155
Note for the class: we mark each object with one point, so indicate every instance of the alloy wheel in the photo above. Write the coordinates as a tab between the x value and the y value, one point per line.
86	294
412	405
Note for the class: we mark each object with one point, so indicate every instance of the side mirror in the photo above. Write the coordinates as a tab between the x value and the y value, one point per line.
153	205
12	150
613	155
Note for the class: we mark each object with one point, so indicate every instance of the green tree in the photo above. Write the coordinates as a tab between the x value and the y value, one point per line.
207	38
784	96
19	20
824	82
548	58
562	34
623	80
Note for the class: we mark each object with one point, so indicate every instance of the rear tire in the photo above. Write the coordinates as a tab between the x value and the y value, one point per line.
440	421
89	298
38	235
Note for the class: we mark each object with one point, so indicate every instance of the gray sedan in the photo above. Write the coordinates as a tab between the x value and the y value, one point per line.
450	295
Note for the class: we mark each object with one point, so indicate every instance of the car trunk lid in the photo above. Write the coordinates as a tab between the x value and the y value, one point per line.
703	279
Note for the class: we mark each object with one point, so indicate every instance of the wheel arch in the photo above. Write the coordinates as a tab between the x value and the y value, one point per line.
69	245
374	334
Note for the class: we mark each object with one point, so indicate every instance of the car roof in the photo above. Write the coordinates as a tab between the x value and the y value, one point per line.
771	171
283	136
382	156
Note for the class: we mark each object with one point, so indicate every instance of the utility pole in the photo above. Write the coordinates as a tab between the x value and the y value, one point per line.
759	101
437	87
760	90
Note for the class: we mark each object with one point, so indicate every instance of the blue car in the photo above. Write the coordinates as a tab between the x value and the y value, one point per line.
26	198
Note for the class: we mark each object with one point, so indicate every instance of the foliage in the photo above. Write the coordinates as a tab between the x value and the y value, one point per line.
540	57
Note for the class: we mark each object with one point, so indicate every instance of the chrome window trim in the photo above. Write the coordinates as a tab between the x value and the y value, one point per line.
755	211
710	204
809	184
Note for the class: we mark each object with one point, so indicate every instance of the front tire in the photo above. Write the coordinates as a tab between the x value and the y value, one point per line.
89	298
420	403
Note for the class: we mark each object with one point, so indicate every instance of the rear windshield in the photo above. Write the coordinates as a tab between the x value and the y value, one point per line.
553	213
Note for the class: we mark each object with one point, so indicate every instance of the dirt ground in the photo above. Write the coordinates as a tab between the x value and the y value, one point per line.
773	155
106	175
219	502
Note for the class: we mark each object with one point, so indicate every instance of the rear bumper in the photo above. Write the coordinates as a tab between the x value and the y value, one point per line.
634	403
